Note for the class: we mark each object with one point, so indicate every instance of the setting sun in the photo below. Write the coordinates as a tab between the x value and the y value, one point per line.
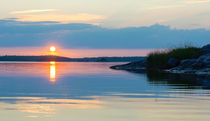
52	49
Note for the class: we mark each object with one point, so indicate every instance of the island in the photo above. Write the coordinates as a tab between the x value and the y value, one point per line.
46	58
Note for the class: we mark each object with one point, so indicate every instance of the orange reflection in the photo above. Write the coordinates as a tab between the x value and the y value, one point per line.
52	71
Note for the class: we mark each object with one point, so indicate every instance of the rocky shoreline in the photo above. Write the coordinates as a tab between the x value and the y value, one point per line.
135	66
197	66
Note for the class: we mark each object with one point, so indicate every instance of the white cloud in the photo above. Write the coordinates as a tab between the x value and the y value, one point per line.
165	7
63	18
33	11
197	1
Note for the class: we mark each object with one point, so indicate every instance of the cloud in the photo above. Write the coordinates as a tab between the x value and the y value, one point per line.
197	1
84	17
33	11
165	7
26	34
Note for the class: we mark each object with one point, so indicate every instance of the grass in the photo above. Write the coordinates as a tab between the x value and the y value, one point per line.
159	59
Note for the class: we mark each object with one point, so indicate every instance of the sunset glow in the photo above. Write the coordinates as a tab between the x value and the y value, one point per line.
75	53
105	60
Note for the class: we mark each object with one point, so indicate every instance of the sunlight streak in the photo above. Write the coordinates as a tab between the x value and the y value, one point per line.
52	71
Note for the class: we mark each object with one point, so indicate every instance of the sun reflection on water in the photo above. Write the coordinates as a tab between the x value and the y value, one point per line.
52	71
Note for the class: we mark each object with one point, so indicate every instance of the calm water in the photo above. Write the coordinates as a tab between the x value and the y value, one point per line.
93	92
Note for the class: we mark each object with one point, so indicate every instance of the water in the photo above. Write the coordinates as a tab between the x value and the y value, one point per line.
93	92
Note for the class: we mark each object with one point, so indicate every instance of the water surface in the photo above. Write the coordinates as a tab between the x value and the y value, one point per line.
92	92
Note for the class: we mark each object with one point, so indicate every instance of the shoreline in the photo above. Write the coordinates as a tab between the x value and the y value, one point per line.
196	66
166	71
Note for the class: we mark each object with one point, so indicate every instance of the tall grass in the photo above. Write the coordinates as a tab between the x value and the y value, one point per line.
159	59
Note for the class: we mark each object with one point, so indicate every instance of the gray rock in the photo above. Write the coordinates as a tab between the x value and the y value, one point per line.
200	66
205	50
202	62
133	66
172	62
204	58
206	46
187	63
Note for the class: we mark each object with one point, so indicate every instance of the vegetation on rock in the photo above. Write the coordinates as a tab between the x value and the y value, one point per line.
159	59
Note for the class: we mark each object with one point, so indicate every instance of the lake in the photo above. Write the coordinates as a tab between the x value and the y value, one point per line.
56	91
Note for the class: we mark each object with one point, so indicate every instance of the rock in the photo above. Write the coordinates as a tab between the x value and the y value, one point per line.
202	62
200	66
133	66
204	59
172	62
205	50
206	46
205	71
187	63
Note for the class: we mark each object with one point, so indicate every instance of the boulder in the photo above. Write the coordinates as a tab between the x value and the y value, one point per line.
187	63
199	66
204	59
202	62
206	46
133	66
205	50
172	62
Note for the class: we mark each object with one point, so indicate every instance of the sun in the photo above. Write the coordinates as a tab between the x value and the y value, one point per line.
52	49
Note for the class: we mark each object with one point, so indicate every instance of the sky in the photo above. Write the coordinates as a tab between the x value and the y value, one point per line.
185	14
116	25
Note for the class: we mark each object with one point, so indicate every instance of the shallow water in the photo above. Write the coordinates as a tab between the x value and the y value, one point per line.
93	92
